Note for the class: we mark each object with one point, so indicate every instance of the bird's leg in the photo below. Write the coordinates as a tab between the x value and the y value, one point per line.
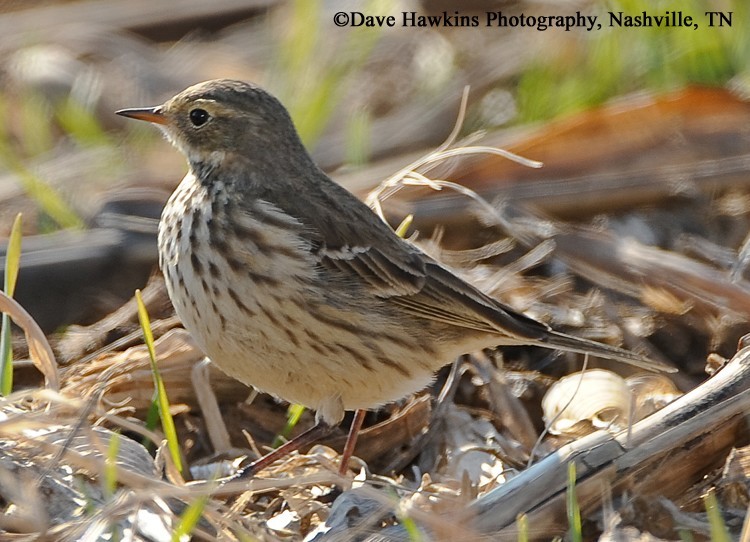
315	433
351	440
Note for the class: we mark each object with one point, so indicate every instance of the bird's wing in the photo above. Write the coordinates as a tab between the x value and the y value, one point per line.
432	292
356	248
425	289
448	298
383	273
359	247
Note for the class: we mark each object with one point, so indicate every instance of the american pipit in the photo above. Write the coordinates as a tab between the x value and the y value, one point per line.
292	285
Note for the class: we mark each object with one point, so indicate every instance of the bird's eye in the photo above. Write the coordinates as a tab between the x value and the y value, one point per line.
199	117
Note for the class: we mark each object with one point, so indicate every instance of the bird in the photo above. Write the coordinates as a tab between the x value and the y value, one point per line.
292	285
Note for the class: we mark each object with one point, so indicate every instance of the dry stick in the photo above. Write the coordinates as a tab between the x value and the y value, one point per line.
217	429
663	454
318	431
40	351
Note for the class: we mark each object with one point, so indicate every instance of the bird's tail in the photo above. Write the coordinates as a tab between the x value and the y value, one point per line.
568	343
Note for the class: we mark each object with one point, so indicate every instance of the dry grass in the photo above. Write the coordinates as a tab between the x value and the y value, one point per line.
461	460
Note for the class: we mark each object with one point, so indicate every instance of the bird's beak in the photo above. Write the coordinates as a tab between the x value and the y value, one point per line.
150	114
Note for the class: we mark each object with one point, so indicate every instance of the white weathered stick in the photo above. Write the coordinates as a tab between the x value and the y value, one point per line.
663	454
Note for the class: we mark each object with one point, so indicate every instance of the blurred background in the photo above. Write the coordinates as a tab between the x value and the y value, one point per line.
634	231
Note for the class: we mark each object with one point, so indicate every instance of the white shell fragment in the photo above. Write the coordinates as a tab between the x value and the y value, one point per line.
652	392
581	403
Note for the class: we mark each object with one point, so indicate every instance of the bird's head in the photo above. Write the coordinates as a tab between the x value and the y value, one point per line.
218	121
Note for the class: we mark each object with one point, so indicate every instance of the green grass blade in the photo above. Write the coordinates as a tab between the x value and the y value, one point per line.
574	510
110	465
522	521
47	198
81	124
719	532
189	519
37	189
404	226
411	529
167	422
13	257
152	419
12	264
293	415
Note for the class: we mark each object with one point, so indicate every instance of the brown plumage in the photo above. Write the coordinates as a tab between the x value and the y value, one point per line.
292	285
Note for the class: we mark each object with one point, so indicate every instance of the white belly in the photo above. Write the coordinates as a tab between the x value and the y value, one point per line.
250	305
